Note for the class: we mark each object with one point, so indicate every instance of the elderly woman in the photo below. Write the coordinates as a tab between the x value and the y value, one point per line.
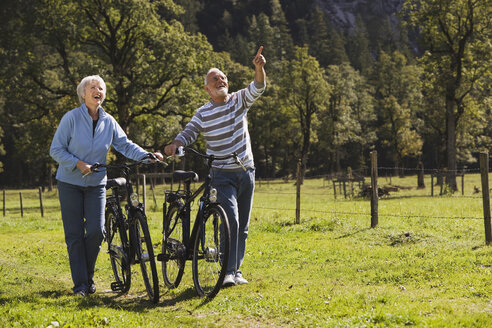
83	138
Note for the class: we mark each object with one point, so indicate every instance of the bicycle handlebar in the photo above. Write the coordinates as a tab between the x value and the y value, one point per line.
210	158
148	159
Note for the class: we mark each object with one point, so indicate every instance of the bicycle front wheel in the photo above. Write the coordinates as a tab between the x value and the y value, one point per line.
117	240
173	249
211	251
146	258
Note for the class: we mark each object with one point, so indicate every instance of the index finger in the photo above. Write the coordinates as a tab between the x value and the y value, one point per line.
259	51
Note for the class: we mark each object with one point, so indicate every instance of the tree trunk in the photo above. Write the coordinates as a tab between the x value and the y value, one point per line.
420	173
451	141
338	164
50	178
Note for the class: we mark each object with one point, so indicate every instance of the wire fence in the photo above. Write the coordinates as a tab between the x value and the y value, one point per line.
327	190
353	186
332	192
367	214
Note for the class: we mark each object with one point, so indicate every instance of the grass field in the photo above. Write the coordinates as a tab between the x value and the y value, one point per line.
425	265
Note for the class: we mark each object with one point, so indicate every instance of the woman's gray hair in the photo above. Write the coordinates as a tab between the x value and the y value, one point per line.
86	80
213	70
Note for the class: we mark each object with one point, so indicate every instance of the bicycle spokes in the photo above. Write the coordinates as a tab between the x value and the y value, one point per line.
209	256
173	254
117	240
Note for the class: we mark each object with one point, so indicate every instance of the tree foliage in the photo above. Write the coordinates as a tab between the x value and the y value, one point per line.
398	100
333	94
303	91
457	34
346	121
144	59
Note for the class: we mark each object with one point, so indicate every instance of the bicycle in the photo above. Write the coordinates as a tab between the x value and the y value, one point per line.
128	236
207	246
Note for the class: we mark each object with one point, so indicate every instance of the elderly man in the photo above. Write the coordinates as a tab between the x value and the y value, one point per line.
224	125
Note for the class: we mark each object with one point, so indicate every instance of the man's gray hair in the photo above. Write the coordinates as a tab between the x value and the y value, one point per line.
85	81
215	69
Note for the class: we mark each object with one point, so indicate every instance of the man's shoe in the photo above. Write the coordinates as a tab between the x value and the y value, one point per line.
229	280
80	293
239	279
92	288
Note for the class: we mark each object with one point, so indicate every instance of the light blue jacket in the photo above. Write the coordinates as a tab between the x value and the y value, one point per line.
73	140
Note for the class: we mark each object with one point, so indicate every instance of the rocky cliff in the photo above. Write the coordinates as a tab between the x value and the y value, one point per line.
342	13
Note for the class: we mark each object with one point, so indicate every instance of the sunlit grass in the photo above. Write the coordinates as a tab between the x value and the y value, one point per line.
426	264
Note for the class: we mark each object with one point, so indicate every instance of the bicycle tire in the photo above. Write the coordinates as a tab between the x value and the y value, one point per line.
117	240
145	256
211	252
173	249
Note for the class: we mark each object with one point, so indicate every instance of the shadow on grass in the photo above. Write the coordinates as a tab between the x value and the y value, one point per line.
34	297
353	233
129	302
136	302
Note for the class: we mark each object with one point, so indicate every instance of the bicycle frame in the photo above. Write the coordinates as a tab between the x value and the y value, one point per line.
206	244
128	221
135	245
185	208
113	202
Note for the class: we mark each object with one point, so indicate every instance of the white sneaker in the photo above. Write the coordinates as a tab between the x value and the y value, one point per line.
229	280
239	279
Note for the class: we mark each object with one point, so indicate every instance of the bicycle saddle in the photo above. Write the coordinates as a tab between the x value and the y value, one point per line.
117	182
185	175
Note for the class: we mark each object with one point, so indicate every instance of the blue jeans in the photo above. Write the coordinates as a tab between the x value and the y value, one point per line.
235	193
83	237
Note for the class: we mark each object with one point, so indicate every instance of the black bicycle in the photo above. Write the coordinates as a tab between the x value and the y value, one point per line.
128	236
207	246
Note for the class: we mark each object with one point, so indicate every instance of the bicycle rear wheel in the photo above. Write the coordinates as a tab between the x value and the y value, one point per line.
117	240
211	251
145	256
173	249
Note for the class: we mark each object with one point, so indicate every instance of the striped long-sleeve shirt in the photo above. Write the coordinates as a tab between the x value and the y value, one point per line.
225	126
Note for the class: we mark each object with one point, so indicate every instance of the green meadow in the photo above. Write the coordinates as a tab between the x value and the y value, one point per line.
426	264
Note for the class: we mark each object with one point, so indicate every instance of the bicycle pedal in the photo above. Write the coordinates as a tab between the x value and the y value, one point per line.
117	286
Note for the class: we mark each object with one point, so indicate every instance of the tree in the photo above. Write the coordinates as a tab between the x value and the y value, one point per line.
347	117
148	63
319	45
2	149
358	47
188	15
284	45
398	99
271	128
304	91
456	34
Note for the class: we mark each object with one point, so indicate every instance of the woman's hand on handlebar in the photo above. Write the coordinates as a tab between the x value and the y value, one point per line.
150	158
157	156
84	168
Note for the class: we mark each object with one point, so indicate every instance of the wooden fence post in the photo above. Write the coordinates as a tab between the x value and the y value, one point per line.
374	186
298	193
41	201
22	209
420	178
484	172
463	184
432	184
152	186
144	194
